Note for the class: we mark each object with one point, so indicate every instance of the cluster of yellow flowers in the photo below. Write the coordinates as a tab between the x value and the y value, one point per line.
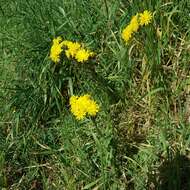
83	105
72	50
75	50
140	19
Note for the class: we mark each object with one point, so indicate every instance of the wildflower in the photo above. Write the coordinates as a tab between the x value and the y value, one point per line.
130	29
83	55
136	21
127	34
83	105
56	50
73	47
77	107
145	18
66	42
134	24
92	108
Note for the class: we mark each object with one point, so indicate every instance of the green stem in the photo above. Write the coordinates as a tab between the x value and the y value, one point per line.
107	10
70	85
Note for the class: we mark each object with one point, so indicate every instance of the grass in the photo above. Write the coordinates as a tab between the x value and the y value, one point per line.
139	140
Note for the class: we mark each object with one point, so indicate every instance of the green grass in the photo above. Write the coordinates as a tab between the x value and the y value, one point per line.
139	140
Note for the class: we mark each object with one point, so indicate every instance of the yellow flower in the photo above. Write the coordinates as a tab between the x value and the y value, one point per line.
56	50
83	55
92	108
83	105
77	107
134	24
73	100
127	33
73	47
145	18
66	42
130	29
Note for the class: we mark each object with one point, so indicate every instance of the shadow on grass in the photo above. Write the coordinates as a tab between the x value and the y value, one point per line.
173	174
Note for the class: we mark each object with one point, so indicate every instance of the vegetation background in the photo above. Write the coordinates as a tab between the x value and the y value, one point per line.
140	138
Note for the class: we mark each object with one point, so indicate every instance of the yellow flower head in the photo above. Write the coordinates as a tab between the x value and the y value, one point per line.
77	107
73	47
83	55
56	50
134	24
83	105
66	42
130	29
73	100
92	108
127	33
145	18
